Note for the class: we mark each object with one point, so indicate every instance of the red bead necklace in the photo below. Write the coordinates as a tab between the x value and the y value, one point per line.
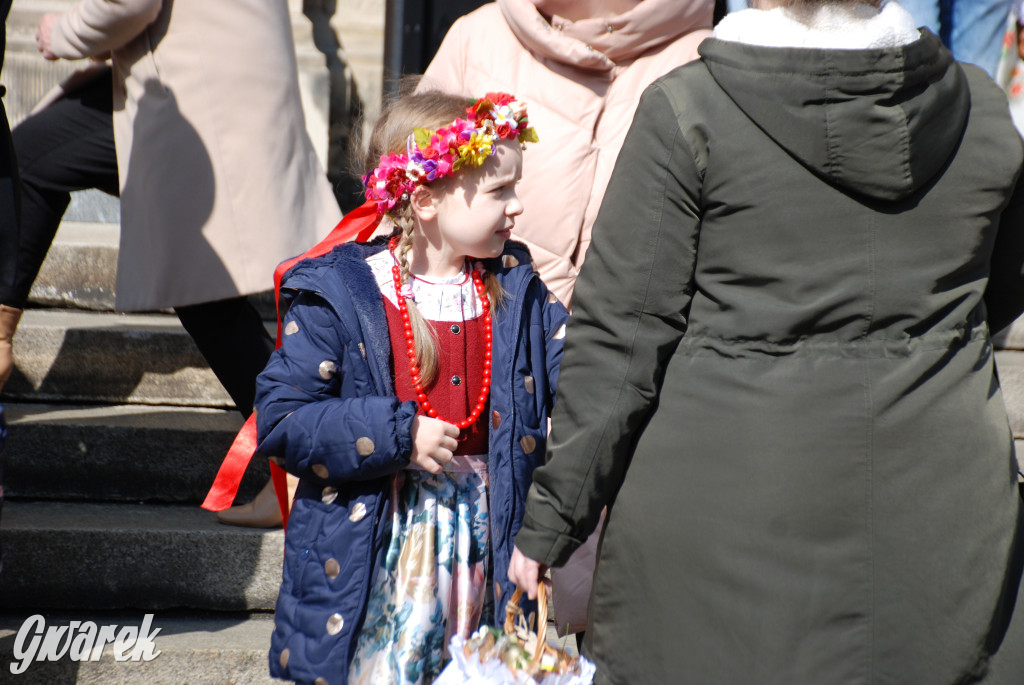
410	344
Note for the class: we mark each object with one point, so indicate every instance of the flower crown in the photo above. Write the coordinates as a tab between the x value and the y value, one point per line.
431	155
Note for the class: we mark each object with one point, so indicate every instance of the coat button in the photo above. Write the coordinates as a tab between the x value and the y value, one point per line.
284	658
327	369
455	329
358	512
328	495
291	328
528	443
321	471
334	624
362	350
528	382
321	681
364	446
495	419
456	380
332	568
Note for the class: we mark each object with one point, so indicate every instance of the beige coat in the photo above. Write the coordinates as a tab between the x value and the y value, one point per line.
581	82
219	181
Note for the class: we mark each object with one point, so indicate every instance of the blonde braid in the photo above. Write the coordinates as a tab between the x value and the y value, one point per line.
422	331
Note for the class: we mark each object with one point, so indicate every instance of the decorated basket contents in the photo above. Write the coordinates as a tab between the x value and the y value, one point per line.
516	656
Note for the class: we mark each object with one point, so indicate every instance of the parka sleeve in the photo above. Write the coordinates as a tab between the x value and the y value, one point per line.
630	310
304	417
1004	295
94	27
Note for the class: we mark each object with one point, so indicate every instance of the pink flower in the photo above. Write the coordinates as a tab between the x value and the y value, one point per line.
499	99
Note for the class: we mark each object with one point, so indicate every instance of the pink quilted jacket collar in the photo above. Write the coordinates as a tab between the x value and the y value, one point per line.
604	43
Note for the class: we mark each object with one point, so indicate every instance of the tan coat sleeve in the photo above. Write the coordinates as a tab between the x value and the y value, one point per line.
93	27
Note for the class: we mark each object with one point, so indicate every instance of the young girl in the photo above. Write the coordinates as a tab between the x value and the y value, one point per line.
410	395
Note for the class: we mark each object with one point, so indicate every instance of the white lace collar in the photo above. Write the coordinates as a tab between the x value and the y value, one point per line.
452	299
832	26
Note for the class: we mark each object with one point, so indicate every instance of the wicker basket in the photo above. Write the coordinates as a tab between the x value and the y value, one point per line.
519	655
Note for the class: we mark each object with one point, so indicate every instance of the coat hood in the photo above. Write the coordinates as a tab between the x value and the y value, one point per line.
878	122
602	44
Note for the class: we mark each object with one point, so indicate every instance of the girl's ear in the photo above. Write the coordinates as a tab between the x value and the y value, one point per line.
423	203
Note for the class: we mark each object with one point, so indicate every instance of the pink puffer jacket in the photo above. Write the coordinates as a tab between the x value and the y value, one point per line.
581	81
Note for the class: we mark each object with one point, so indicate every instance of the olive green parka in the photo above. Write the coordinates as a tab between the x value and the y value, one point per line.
779	376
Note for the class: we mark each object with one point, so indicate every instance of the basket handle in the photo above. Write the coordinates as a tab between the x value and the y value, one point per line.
512	610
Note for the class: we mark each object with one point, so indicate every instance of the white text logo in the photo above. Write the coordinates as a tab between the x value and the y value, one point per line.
82	641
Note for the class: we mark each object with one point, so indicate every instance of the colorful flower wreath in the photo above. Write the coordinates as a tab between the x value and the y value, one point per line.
431	155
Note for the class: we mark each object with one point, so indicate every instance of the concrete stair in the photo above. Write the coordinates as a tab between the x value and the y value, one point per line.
119	453
65	355
70	555
231	648
80	267
117	428
117	425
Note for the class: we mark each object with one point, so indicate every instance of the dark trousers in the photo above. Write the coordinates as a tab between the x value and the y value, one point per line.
66	147
69	146
10	205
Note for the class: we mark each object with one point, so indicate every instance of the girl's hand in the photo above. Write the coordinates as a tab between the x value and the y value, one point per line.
433	443
525	572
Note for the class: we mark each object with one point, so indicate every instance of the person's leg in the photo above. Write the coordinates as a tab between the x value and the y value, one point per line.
10	236
68	146
10	204
976	31
232	338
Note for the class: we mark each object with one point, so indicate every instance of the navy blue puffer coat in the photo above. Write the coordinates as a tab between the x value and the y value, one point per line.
326	407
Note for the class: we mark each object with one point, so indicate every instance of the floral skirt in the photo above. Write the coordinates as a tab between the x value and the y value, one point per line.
433	583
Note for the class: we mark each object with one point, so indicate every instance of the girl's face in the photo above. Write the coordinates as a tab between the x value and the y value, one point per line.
475	215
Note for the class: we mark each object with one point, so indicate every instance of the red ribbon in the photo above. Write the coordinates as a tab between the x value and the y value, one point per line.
358	225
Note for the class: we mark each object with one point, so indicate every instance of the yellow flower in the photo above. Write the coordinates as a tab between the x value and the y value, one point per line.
474	151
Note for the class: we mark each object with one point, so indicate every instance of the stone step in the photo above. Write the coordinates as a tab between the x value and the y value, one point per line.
70	556
81	267
80	270
120	453
77	357
198	650
205	649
